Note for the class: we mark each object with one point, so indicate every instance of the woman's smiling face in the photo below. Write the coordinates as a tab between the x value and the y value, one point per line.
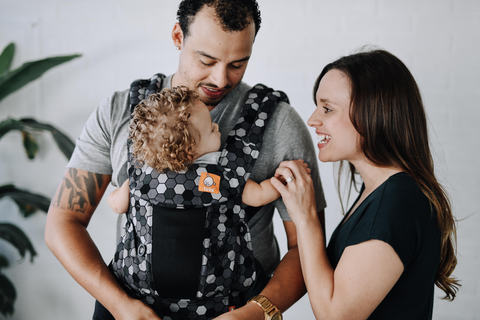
339	140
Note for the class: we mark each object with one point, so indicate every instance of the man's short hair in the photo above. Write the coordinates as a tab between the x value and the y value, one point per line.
233	15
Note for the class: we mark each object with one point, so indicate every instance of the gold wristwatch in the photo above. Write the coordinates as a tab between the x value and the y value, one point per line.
271	312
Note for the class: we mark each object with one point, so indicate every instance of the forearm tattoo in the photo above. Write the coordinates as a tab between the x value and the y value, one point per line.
78	191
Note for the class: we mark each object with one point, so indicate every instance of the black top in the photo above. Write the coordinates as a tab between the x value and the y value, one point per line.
398	213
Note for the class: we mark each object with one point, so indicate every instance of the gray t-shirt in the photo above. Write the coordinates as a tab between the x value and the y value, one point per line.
101	148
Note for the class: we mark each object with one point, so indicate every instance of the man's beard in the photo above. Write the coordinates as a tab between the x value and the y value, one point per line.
212	104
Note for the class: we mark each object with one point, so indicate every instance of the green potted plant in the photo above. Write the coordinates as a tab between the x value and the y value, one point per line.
27	202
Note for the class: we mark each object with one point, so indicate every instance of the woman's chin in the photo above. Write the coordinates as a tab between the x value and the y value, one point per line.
324	158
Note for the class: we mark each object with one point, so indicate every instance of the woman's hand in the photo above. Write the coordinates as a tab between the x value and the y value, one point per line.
297	190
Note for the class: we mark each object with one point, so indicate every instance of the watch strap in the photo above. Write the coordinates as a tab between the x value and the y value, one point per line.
268	307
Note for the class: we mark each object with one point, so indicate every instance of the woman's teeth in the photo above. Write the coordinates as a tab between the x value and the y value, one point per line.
324	138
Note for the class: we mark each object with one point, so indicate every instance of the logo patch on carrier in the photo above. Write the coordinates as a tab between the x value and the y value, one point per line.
209	183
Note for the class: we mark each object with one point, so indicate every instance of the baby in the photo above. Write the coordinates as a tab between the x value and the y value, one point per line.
170	131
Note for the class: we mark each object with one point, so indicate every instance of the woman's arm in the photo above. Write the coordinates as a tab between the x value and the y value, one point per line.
365	273
119	199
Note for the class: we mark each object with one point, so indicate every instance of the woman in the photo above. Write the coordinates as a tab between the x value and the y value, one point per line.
398	239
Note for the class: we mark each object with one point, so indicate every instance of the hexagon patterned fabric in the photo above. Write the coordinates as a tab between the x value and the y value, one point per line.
228	266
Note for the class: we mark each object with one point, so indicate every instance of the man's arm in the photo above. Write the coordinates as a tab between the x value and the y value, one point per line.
285	287
66	235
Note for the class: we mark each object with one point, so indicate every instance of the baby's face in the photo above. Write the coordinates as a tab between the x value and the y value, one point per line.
209	140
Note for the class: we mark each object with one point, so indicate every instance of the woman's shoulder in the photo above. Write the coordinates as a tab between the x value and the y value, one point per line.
402	195
402	185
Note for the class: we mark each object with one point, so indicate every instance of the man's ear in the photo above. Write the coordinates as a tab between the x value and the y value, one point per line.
177	36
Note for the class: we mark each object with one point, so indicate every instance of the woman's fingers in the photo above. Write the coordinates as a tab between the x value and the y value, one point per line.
305	165
298	170
293	181
279	185
283	173
296	166
288	166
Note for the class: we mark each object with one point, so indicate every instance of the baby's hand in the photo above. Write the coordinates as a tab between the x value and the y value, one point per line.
119	199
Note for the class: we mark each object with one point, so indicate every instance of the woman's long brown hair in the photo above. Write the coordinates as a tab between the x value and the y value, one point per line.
386	109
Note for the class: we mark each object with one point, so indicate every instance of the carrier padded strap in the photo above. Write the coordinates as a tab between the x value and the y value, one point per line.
142	88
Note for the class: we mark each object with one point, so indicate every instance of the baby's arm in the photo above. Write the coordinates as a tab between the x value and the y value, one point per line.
119	199
259	194
256	195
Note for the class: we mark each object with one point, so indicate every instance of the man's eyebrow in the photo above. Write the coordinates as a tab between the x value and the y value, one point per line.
213	58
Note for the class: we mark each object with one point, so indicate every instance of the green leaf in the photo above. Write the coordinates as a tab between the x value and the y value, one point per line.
18	239
64	143
30	144
10	124
8	295
27	202
6	58
29	71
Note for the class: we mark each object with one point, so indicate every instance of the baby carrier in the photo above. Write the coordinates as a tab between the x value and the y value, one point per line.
203	262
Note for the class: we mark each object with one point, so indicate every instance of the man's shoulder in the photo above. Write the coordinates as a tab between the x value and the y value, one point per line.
120	97
115	104
121	93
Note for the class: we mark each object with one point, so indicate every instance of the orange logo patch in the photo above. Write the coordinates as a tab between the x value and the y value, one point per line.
209	183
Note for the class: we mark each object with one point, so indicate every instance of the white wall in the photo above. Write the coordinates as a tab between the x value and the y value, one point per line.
123	40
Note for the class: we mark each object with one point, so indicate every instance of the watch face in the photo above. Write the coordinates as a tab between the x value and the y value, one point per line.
277	317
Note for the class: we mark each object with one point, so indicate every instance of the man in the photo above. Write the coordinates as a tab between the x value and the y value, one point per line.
215	39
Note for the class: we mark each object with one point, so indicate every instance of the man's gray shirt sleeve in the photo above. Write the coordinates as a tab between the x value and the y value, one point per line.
287	138
92	150
101	147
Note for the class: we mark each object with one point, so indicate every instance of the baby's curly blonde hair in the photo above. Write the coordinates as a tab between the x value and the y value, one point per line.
161	134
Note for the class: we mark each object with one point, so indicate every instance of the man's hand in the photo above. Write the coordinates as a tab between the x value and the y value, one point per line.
250	311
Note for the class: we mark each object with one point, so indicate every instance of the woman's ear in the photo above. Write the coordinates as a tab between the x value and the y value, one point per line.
177	36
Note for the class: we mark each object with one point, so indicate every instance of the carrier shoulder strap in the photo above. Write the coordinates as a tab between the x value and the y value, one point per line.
140	89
